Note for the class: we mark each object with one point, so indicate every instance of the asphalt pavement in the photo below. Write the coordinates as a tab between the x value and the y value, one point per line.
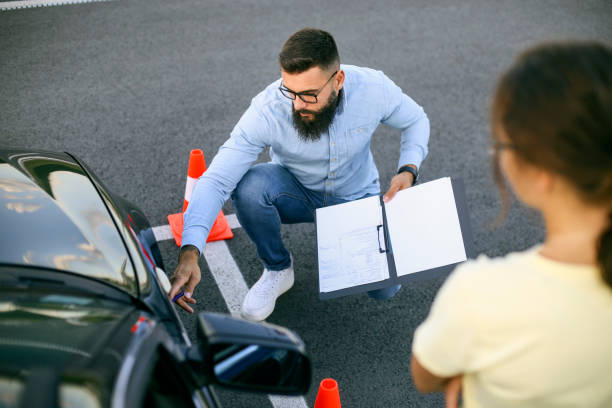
132	86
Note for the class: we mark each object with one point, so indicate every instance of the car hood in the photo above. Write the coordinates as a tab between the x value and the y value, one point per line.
52	329
52	216
80	340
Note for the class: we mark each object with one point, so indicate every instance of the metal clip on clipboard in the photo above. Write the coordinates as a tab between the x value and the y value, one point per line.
380	249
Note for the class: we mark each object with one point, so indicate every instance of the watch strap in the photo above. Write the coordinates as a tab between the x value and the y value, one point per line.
410	169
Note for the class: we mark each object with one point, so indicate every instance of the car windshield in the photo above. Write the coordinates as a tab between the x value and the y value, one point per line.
53	217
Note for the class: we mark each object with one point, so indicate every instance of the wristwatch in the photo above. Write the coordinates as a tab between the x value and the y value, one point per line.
410	169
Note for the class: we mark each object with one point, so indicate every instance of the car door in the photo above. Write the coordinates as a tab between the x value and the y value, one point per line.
155	372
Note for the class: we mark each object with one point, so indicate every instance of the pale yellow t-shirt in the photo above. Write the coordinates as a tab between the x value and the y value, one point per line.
525	330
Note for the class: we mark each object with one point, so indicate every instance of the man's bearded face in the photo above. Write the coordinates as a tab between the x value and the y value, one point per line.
311	124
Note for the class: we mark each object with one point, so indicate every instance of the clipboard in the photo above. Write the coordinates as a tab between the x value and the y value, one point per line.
366	250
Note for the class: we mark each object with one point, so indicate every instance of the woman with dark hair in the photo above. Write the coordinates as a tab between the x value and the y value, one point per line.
534	328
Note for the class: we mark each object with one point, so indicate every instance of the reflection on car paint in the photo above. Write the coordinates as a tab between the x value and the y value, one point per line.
85	242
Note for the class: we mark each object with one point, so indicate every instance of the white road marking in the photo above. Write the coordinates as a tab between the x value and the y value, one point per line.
283	401
233	288
13	5
227	275
162	233
233	222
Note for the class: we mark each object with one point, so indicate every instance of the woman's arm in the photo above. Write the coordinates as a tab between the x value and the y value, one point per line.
424	380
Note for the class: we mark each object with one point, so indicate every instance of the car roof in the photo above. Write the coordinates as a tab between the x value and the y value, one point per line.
53	217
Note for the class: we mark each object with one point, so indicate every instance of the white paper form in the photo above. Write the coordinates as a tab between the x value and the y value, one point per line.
348	243
424	227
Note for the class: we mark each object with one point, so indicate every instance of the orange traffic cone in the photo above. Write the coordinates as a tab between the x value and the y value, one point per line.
220	229
328	395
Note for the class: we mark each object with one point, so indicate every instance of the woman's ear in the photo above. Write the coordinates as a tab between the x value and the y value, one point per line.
545	181
544	187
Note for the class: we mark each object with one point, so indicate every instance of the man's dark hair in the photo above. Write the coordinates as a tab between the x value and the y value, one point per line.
309	47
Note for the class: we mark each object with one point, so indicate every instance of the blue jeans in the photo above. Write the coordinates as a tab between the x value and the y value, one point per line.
269	195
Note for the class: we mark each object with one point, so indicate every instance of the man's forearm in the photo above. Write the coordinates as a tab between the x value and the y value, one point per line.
212	189
414	141
206	202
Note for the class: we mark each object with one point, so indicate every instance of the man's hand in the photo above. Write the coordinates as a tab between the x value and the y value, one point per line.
398	183
186	276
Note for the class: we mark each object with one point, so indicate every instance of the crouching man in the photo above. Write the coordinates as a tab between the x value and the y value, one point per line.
318	120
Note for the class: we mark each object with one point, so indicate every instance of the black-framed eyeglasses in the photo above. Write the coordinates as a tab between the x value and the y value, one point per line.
307	97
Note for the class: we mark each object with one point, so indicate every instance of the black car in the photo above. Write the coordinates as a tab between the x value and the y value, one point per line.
85	320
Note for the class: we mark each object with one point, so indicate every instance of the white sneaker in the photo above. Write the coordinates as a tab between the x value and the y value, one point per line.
259	302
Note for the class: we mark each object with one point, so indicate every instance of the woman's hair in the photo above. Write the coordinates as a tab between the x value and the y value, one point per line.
555	107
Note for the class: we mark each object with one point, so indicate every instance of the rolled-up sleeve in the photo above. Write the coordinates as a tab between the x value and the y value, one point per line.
402	112
213	188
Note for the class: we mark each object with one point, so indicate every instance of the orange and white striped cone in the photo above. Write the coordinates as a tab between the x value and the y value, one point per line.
220	229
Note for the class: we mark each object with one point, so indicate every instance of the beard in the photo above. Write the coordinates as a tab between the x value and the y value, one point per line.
311	130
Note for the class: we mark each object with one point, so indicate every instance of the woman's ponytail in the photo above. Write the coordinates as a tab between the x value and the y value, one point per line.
604	252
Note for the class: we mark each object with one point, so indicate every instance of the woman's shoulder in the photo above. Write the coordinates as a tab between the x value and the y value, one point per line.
509	261
495	272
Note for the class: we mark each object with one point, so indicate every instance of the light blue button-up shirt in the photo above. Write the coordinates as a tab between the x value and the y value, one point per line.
340	163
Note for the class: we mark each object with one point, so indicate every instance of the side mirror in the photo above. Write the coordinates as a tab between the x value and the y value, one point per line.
252	356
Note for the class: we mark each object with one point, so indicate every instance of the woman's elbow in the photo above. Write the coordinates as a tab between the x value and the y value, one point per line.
424	381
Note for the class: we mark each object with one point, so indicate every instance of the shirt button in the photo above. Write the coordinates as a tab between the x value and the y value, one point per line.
331	174
332	144
329	183
334	159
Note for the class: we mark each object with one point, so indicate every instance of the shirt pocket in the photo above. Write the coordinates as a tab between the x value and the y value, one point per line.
357	141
